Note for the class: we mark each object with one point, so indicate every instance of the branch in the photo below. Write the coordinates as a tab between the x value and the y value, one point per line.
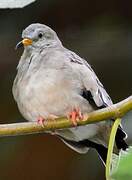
114	111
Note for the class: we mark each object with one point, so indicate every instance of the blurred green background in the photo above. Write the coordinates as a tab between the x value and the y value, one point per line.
99	31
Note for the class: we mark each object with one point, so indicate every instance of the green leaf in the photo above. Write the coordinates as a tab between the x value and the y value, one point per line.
123	171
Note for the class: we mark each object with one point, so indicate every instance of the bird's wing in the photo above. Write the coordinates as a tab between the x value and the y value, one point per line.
93	88
95	93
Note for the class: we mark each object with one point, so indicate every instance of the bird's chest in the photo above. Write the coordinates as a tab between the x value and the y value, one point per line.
49	91
48	83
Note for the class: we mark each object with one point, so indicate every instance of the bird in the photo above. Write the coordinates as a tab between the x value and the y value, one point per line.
53	81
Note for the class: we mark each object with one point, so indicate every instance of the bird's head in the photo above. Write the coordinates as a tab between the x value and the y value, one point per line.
37	36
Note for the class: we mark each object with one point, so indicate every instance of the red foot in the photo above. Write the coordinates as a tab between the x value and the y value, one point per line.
41	121
75	115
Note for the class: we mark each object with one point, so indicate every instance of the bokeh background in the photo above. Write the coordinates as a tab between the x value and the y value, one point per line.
99	31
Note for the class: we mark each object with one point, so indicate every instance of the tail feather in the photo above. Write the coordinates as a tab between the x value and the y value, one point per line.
84	145
101	150
120	139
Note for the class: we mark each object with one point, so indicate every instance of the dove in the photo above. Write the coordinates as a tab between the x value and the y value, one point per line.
53	81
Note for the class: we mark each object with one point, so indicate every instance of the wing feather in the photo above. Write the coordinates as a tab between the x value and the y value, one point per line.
93	88
90	81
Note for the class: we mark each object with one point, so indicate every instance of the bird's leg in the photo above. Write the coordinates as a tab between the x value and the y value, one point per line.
41	121
80	114
75	115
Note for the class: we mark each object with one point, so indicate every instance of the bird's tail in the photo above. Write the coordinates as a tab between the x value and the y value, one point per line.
84	145
119	141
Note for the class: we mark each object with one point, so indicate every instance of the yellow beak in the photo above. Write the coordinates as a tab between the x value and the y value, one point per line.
26	42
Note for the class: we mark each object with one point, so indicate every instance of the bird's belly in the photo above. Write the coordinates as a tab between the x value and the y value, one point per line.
49	96
79	133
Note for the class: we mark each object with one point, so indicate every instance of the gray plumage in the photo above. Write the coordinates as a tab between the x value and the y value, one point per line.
52	80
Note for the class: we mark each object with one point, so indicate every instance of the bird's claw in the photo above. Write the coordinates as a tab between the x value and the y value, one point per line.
75	116
41	121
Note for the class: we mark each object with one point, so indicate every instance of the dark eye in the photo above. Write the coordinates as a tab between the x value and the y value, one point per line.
40	35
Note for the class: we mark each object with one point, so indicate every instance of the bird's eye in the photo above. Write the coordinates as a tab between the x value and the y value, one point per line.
40	35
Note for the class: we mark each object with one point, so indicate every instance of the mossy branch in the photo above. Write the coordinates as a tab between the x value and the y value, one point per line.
114	111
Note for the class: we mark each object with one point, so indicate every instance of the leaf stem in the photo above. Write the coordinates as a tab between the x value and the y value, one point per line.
111	146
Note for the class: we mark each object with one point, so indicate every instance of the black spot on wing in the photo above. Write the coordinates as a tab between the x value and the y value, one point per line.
99	83
30	60
75	58
88	96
